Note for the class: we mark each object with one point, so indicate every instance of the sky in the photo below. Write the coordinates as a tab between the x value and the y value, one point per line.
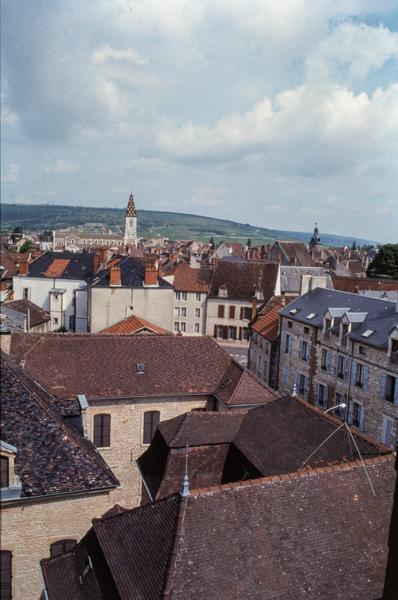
268	112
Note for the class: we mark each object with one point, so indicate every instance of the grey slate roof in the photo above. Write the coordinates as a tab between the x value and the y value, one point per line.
291	277
11	320
78	265
381	318
132	271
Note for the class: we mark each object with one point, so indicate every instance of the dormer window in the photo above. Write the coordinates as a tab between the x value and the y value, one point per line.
222	292
4	472
10	484
394	352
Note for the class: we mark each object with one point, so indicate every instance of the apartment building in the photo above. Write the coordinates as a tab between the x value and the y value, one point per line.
341	348
237	289
264	343
191	287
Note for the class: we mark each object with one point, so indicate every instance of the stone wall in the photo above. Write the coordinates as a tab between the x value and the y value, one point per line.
28	530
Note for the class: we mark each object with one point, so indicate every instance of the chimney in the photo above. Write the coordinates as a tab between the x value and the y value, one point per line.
102	254
151	274
115	276
305	284
23	268
96	263
254	308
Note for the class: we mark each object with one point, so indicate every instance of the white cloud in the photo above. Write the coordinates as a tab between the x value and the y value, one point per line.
61	167
12	173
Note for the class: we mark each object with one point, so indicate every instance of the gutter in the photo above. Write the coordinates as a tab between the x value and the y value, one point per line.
55	495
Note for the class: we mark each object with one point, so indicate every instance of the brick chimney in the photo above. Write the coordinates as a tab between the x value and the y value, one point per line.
102	254
151	274
115	276
23	268
96	263
254	309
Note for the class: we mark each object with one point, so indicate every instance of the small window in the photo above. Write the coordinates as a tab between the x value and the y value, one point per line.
310	316
362	350
151	422
55	297
102	431
198	296
183	311
304	350
4	472
306	330
232	312
221	310
55	320
6	575
184	295
176	326
59	548
197	313
293	311
177	311
178	295
26	293
324	360
287	344
197	327
290	324
183	326
359	375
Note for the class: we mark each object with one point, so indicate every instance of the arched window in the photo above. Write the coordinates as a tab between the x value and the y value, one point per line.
151	422
60	547
102	431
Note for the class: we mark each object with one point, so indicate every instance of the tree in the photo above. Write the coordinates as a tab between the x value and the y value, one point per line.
354	246
25	246
249	243
211	242
385	262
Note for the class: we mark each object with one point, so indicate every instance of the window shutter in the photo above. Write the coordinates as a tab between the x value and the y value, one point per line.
350	411
97	431
307	352
365	377
232	312
353	372
346	369
5	575
329	358
305	386
286	375
301	348
297	381
396	391
106	430
316	393
361	419
326	394
151	422
215	331
383	382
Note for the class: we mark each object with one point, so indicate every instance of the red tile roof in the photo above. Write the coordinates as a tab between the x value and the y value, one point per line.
56	268
187	279
267	324
135	324
352	284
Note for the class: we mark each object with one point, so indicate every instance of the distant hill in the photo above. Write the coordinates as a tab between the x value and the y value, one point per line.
177	226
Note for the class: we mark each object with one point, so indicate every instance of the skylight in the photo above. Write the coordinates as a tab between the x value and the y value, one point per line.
293	311
367	333
311	316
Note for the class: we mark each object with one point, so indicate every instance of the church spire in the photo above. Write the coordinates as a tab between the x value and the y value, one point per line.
131	212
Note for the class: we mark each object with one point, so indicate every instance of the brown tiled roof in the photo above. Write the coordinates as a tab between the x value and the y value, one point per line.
267	324
52	457
239	386
201	428
191	280
352	284
294	536
135	324
242	279
280	436
37	315
298	252
56	268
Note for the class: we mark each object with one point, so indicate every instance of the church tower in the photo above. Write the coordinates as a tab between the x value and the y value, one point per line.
130	230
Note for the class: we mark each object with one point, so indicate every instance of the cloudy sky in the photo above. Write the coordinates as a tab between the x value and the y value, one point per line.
276	113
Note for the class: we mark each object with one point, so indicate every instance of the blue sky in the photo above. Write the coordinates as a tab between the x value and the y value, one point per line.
277	114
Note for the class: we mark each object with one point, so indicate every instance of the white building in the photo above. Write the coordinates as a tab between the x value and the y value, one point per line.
191	287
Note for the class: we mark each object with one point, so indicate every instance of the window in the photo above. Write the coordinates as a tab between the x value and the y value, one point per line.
341	364
197	327
151	422
322	396
26	293
359	375
287	343
304	350
183	311
55	320
302	385
390	388
178	295
4	472
183	326
102	431
306	330
362	350
55	297
289	324
197	313
340	399
328	326
324	360
184	295
6	575
244	333
198	296
245	313
221	310
176	326
285	375
394	352
344	334
356	413
232	312
71	322
59	548
177	311
232	332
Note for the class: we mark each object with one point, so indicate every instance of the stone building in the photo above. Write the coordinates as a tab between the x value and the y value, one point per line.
264	343
130	230
341	348
237	289
191	287
53	482
117	388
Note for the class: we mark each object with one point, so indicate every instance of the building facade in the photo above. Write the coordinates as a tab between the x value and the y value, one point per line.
339	348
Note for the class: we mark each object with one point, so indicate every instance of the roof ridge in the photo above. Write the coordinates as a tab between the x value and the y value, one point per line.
179	429
308	472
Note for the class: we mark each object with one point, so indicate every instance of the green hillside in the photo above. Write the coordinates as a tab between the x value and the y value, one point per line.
151	224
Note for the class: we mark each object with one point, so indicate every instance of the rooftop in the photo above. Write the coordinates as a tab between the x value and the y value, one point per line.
135	324
243	279
187	279
63	265
132	272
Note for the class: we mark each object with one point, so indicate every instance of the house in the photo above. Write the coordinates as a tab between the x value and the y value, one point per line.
129	384
236	290
374	288
53	481
276	438
341	348
191	287
35	318
296	281
58	283
264	342
291	253
299	535
125	285
226	249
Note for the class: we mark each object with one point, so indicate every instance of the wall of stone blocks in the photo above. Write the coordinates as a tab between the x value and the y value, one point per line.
28	530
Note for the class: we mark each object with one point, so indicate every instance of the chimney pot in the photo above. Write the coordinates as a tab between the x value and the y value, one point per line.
115	276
